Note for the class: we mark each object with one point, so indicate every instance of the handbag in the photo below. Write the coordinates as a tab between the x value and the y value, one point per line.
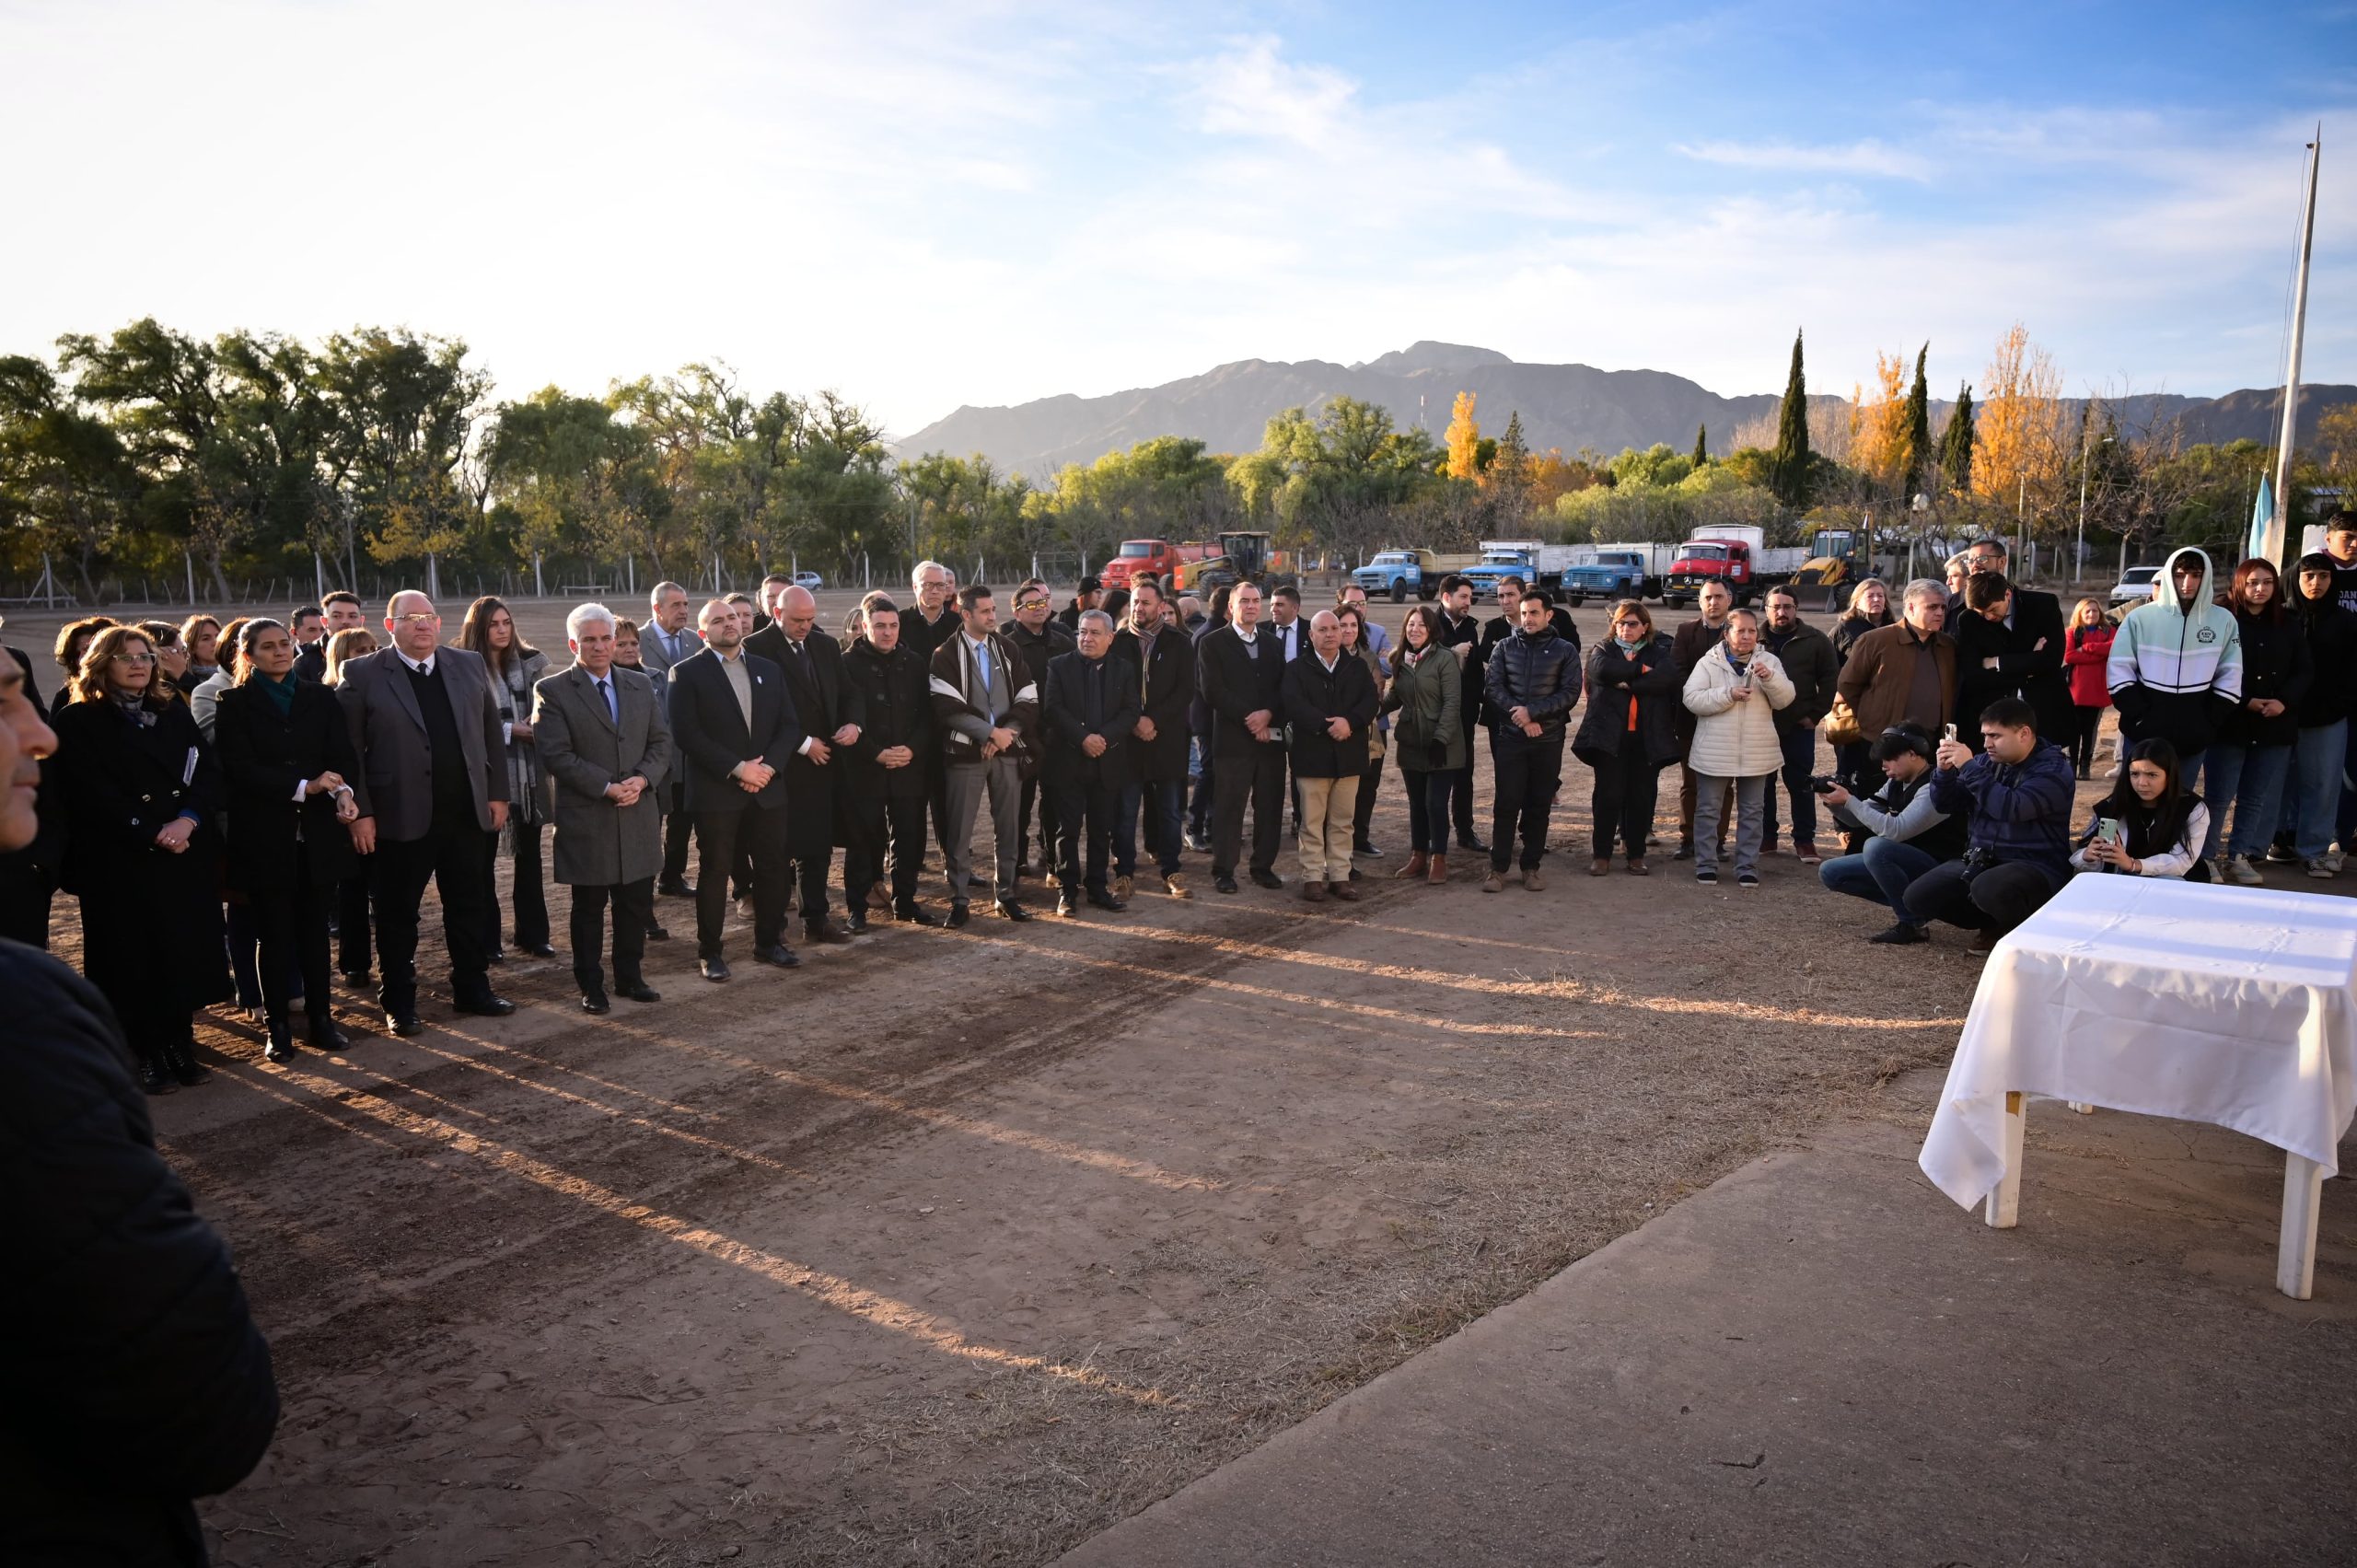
1841	724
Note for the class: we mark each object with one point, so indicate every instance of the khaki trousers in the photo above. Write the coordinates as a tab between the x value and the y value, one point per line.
1327	809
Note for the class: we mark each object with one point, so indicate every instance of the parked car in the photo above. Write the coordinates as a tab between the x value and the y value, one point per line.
2134	587
811	580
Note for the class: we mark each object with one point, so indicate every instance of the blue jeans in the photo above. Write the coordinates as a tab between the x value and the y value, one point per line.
2312	791
1162	802
1882	870
2250	779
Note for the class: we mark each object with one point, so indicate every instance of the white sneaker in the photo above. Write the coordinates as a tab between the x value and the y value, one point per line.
2321	867
2243	871
2332	858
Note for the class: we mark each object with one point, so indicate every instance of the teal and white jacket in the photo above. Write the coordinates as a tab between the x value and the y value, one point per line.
2176	670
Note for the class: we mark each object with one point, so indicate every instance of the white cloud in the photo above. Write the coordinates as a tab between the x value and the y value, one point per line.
1869	156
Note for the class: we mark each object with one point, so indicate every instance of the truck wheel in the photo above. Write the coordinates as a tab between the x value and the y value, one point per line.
1576	599
1428	591
1398	591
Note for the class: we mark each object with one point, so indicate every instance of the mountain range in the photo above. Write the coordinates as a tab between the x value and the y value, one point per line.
1569	406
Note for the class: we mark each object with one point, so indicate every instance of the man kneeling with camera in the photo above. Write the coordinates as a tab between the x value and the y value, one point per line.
1909	834
2017	792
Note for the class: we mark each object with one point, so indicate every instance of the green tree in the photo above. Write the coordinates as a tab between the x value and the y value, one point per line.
1790	480
1955	445
404	410
63	473
1917	429
1701	445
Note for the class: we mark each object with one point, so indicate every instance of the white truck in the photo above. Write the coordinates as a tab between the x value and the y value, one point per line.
1539	565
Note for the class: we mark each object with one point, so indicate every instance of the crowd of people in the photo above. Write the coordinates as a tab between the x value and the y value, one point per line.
235	804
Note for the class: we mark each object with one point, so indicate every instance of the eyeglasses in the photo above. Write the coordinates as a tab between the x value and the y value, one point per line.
415	620
1030	603
133	658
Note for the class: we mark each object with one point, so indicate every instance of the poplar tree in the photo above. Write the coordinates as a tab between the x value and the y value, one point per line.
1918	424
1701	445
1788	474
1956	448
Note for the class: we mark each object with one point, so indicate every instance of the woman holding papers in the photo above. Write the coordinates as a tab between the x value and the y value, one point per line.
140	794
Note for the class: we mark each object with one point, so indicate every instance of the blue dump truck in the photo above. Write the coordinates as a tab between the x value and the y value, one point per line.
1401	575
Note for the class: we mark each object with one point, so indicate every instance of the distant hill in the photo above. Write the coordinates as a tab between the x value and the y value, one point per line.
1570	406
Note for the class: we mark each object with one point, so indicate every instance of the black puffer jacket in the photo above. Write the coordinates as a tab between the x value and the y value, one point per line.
2275	665
1540	673
2330	632
1812	666
136	1378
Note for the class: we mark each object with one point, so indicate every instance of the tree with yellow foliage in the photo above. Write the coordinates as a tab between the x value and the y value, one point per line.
1880	449
2018	447
1464	440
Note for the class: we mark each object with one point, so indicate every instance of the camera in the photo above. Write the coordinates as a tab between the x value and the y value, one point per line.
1823	784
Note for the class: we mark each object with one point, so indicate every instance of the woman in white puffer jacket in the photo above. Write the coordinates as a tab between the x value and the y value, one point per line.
1734	694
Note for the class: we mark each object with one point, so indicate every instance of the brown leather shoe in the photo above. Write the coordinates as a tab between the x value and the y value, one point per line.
1417	862
1343	891
1637	866
1439	872
1533	880
1600	867
1313	893
1495	882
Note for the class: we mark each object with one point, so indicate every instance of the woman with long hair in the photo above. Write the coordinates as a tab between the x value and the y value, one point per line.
204	691
73	642
2087	646
356	937
286	756
207	644
2161	822
2246	766
1630	731
1427	691
171	659
2312	797
1354	644
516	666
140	792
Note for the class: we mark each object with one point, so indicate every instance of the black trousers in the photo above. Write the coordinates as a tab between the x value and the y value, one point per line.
1997	900
678	823
1258	780
1083	803
633	913
808	873
1199	805
2083	737
451	855
1050	832
292	926
1528	773
25	893
530	896
1462	806
1800	766
760	833
1628	788
355	950
1363	810
875	822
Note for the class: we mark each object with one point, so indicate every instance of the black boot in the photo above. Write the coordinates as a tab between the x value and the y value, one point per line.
281	1047
179	1055
154	1077
324	1034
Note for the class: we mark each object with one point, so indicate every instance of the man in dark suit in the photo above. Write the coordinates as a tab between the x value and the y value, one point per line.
1163	660
813	665
1040	638
1089	710
1238	668
308	626
339	612
884	788
2033	627
667	639
1330	701
608	751
733	727
433	782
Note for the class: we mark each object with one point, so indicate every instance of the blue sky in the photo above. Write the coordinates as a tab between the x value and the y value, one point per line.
923	206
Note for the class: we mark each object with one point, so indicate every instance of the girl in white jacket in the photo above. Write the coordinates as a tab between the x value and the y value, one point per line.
1734	694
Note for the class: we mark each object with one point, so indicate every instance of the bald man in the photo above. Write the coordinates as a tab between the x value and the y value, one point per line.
431	789
813	663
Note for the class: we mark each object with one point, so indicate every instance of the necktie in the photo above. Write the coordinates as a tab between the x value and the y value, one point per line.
983	663
606	694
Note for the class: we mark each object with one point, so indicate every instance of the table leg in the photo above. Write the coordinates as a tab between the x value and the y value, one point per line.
2081	1107
2295	1248
2004	1208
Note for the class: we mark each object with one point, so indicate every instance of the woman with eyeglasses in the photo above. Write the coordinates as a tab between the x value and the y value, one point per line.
355	936
285	755
1355	646
140	792
516	666
1629	732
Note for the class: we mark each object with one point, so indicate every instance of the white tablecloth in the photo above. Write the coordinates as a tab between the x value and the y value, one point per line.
2235	1006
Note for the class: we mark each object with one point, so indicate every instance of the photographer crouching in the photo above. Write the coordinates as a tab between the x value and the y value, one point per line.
1908	832
2017	792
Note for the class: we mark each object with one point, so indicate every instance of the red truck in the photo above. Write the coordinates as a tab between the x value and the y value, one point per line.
1157	555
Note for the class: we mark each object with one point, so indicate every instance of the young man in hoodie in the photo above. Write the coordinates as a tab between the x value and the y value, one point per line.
2175	669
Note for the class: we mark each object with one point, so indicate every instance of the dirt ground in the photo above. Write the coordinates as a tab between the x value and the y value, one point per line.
957	1246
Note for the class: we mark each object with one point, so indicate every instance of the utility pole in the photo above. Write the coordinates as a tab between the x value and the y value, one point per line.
2280	524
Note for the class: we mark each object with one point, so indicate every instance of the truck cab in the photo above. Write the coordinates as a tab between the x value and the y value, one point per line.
1156	555
1398	572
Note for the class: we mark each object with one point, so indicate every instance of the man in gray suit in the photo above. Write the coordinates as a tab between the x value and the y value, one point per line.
669	637
987	706
433	782
606	744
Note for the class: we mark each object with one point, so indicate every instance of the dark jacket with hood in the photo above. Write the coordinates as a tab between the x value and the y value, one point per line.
896	709
2276	665
2175	669
2330	632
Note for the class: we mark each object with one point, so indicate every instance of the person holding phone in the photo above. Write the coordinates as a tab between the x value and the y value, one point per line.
2150	825
1909	834
1735	694
2016	794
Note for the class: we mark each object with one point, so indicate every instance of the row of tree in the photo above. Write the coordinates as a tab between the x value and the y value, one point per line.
256	453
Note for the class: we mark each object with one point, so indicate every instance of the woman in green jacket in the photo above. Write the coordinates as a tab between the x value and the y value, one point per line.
1427	691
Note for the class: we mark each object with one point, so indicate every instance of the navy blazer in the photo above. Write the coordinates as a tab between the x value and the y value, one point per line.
709	734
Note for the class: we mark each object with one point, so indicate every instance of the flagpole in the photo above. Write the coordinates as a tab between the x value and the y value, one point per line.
2279	526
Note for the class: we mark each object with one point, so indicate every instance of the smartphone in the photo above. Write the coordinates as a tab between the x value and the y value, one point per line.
2109	829
1949	730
